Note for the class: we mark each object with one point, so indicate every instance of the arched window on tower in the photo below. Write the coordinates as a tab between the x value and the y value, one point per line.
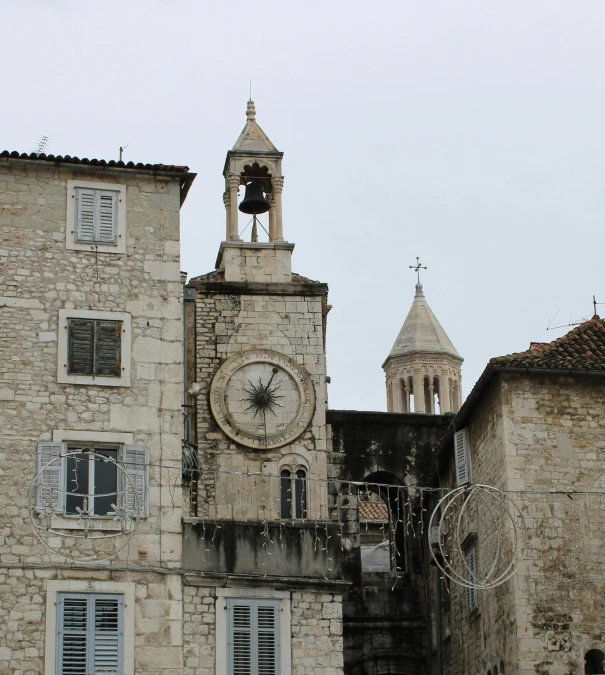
594	662
293	493
437	395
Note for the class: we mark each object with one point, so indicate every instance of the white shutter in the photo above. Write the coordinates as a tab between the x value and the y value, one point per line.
50	490
85	215
463	457
136	465
90	634
106	648
72	635
107	212
253	641
472	600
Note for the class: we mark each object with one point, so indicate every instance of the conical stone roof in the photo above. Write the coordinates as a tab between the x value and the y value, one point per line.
253	138
421	332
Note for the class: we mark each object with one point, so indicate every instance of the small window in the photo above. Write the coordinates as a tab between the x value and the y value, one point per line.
472	599
96	216
462	457
76	479
253	645
94	347
293	485
374	534
90	633
594	662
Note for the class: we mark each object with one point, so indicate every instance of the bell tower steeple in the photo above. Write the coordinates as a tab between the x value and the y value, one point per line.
254	163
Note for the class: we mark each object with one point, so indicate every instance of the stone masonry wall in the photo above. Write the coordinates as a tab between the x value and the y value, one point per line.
316	632
38	278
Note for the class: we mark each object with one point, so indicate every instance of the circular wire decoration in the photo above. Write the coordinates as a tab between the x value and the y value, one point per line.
477	536
82	536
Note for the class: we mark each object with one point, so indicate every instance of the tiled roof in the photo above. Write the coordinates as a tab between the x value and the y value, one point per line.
373	511
583	348
67	159
219	275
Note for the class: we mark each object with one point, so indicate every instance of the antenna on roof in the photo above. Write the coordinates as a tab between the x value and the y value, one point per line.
42	144
122	148
577	322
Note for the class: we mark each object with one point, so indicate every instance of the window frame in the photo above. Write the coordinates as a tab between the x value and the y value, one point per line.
222	627
294	481
471	564
63	345
90	587
95	346
71	241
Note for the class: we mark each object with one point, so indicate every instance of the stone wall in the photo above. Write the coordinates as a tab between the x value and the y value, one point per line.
39	278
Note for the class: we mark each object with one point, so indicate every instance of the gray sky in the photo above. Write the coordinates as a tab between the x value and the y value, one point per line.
470	133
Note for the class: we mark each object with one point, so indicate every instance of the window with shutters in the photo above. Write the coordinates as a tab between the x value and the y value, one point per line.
462	457
253	645
96	217
90	633
472	599
94	347
77	479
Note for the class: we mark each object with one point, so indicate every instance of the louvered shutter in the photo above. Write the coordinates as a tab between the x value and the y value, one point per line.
463	457
107	634
72	635
253	640
107	348
107	212
81	341
136	465
90	634
472	600
85	215
50	489
267	619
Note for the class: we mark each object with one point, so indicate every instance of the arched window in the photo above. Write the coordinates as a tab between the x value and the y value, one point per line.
495	670
594	662
293	489
501	667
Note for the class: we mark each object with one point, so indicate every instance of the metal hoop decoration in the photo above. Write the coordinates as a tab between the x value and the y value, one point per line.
129	521
447	546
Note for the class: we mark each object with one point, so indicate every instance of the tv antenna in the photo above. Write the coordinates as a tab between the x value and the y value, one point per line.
577	322
42	144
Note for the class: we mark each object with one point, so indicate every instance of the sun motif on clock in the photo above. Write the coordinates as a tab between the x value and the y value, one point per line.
262	399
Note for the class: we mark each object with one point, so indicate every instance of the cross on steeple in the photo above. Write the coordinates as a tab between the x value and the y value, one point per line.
417	267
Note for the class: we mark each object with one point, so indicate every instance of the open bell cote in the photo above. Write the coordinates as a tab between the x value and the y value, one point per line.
253	160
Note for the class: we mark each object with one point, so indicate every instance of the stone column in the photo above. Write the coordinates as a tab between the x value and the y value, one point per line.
444	392
227	203
233	225
419	391
405	395
397	397
431	397
272	217
278	186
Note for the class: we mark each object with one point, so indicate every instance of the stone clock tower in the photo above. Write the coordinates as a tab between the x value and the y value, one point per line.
260	510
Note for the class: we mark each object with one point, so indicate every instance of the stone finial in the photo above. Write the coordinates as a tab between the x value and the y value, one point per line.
419	291
251	110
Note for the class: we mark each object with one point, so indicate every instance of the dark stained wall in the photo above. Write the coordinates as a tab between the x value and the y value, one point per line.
385	614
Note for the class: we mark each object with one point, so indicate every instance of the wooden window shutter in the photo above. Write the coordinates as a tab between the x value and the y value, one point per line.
136	465
50	488
253	637
72	629
472	599
90	633
108	340
463	457
96	216
107	212
107	634
85	215
81	339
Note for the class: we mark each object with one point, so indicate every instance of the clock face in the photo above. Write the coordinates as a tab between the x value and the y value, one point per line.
262	399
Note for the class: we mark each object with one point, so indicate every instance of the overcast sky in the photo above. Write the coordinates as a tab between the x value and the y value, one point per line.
469	133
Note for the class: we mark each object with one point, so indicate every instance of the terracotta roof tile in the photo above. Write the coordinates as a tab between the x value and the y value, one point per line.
67	159
373	511
583	348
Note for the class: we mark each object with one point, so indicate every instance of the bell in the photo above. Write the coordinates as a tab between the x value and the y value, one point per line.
254	201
